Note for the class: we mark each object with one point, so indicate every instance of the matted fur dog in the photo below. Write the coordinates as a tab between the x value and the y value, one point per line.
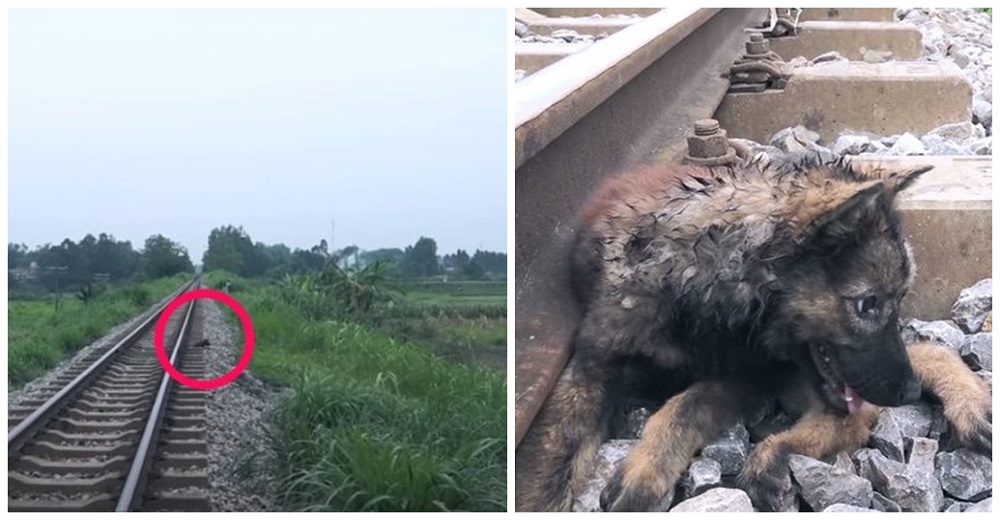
727	288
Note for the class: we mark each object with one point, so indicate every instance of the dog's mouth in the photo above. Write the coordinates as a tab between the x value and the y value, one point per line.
837	392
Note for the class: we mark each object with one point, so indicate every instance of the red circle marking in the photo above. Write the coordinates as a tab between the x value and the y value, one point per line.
161	330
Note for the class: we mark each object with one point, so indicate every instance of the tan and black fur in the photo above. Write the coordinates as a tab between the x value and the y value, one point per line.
724	289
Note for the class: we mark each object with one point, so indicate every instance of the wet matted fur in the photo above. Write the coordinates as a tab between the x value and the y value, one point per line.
721	290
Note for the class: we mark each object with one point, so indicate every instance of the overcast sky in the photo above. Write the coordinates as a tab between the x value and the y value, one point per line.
137	122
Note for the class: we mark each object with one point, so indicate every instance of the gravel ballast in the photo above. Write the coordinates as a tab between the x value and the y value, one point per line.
240	453
524	34
960	35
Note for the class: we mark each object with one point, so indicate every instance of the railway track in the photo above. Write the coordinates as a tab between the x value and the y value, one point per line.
585	111
114	432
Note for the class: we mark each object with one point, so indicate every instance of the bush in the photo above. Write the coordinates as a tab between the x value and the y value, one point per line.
221	279
138	296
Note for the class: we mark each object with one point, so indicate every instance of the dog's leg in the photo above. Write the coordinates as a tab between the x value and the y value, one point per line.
645	480
966	397
818	434
555	456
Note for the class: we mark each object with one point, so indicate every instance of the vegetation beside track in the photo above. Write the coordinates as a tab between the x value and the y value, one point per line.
42	332
466	321
381	417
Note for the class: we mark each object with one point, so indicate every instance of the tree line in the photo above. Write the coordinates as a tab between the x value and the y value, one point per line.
75	264
232	249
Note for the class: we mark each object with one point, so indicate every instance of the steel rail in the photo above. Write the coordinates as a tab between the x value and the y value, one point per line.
23	431
137	476
552	100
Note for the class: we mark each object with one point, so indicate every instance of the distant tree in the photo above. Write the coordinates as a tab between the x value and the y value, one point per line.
420	260
279	261
321	249
17	255
115	258
164	257
347	256
258	261
68	254
391	258
87	249
491	264
305	260
393	255
229	248
455	262
278	254
472	271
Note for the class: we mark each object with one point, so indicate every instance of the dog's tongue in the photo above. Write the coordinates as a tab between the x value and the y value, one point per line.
854	401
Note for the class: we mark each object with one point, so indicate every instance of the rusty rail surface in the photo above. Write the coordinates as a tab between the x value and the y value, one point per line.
628	99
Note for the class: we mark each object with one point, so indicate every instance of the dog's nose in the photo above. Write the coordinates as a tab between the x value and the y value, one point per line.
910	391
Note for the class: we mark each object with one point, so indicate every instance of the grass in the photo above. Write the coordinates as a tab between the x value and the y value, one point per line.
454	287
456	300
452	299
478	332
460	325
441	305
41	333
376	422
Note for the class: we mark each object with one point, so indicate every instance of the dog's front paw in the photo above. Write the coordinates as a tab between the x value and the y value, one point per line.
971	422
976	433
638	487
768	483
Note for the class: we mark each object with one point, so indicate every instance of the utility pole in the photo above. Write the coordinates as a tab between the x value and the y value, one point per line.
333	234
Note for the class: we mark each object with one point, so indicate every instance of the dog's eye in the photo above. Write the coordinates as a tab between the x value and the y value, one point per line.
865	305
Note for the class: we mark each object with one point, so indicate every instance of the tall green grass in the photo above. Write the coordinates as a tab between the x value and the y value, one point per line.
410	310
41	333
375	423
469	288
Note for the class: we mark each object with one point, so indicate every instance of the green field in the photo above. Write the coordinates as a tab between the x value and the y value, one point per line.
457	300
41	333
380	417
466	321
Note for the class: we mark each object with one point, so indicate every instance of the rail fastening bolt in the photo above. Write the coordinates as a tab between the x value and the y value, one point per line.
758	45
707	140
706	127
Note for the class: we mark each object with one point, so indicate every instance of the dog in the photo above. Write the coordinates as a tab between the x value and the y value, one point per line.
719	290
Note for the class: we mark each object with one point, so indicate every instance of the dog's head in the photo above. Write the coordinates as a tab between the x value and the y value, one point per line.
837	309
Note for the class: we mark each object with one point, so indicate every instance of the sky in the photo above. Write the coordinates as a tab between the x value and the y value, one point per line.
390	123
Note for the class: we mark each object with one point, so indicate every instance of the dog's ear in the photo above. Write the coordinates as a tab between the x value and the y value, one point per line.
845	213
897	180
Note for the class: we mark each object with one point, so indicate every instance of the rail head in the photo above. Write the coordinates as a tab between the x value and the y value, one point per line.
552	100
23	431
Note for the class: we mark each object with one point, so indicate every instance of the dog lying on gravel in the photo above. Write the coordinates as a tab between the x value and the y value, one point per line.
727	288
